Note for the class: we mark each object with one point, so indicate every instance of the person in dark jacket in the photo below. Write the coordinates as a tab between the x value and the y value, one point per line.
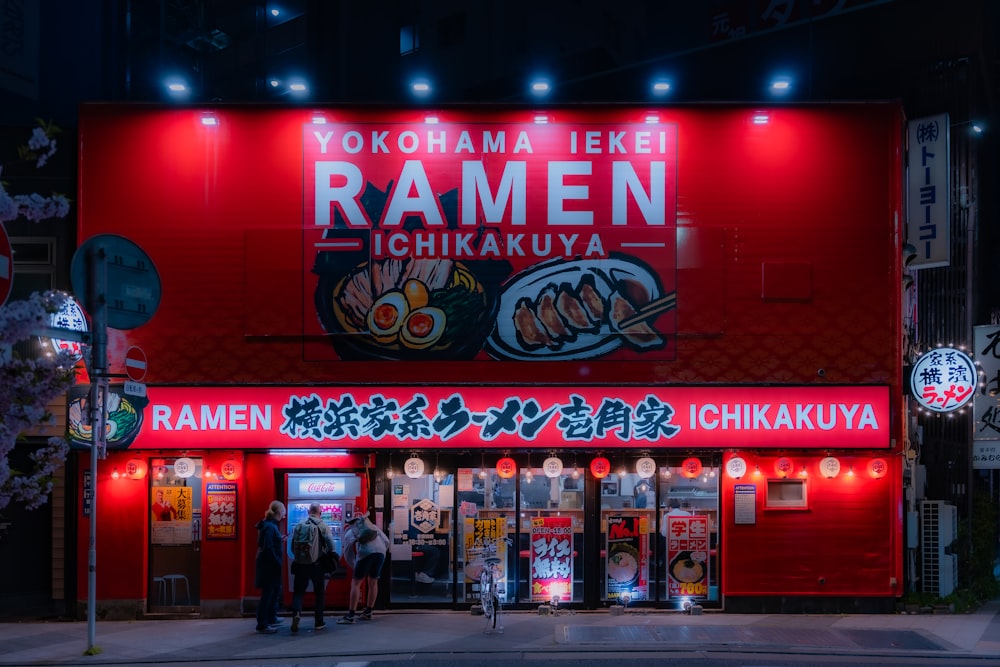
267	576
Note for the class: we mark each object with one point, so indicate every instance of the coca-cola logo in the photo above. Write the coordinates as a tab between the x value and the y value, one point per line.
321	487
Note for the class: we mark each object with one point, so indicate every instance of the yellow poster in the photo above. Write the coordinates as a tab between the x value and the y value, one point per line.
170	510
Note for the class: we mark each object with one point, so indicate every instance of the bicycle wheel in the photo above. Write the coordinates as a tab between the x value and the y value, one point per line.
495	603
487	595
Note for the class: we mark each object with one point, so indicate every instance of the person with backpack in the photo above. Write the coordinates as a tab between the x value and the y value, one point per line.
311	538
267	574
365	546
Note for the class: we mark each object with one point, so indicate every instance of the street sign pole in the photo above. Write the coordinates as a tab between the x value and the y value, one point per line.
97	307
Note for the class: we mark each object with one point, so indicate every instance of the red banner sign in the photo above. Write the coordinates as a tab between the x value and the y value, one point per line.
611	417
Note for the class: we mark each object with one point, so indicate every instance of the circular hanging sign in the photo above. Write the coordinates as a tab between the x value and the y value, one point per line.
230	469
553	466
691	467
136	468
70	317
830	467
184	467
413	467
645	467
944	379
877	468
783	466
736	467
600	467
506	467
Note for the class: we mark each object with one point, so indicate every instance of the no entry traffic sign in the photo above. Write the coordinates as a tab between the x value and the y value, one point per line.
6	266
135	363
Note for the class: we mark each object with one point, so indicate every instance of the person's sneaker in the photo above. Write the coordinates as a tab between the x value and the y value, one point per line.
346	620
267	631
295	623
424	578
274	624
366	615
320	626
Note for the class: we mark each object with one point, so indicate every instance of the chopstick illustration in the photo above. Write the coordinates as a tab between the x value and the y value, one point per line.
661	305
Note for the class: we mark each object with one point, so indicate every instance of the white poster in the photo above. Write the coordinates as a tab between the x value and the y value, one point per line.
986	403
928	202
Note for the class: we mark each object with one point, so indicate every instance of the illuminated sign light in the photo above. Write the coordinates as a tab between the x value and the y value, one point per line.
944	379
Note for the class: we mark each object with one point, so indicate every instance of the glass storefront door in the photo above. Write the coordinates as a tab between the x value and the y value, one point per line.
175	493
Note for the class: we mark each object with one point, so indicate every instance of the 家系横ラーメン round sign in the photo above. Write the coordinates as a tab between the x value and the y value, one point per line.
944	379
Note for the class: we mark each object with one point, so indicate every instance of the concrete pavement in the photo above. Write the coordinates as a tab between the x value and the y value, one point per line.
454	634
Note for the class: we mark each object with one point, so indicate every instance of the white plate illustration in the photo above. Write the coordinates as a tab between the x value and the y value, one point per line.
564	310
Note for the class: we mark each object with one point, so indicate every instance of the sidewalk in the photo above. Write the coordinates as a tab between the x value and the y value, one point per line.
453	634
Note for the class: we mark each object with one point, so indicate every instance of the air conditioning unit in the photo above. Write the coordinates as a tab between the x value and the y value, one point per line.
938	529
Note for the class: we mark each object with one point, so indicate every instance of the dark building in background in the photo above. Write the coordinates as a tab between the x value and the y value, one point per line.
933	56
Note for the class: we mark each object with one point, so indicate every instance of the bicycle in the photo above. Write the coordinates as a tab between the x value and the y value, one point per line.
489	586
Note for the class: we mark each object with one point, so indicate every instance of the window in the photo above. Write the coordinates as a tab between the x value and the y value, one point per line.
34	265
409	40
786	493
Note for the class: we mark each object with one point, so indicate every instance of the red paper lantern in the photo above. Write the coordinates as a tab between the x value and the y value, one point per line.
691	467
506	467
230	469
784	466
877	468
600	467
136	468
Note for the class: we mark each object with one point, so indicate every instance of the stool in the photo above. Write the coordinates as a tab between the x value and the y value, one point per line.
173	579
161	590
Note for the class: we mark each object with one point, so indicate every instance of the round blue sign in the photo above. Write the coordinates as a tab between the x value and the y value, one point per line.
132	291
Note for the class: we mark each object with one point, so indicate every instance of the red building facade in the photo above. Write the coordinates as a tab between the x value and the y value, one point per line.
657	349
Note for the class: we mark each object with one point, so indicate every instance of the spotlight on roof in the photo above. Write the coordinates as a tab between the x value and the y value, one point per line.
209	120
540	87
977	127
298	88
274	83
275	11
661	87
781	85
421	87
760	118
177	88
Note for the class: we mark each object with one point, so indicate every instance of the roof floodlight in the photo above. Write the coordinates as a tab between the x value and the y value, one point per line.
977	128
431	120
275	11
761	118
652	118
781	85
297	87
541	119
176	87
274	83
209	120
661	87
540	87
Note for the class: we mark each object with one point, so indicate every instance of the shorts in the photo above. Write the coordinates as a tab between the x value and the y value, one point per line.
369	566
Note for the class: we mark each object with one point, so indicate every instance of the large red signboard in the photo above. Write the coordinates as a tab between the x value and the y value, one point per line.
606	245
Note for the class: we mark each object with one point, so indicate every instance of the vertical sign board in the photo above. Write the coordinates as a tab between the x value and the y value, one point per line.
928	202
986	403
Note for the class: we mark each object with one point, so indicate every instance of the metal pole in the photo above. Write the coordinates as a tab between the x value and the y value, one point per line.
97	306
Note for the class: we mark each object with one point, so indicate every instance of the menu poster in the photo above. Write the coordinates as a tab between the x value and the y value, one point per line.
551	558
220	498
627	564
482	539
170	507
687	556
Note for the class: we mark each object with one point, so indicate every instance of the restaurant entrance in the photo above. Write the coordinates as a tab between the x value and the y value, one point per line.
563	535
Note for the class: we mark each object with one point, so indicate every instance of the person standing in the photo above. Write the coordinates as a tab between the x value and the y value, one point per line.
267	575
365	546
311	571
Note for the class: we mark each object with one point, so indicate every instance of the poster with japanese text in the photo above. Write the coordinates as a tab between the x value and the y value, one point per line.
170	508
687	556
551	558
627	564
482	539
220	498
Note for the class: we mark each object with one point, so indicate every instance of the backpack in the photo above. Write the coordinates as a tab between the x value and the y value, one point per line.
305	542
365	530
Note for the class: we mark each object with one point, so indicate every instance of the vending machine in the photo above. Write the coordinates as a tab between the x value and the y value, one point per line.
338	495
